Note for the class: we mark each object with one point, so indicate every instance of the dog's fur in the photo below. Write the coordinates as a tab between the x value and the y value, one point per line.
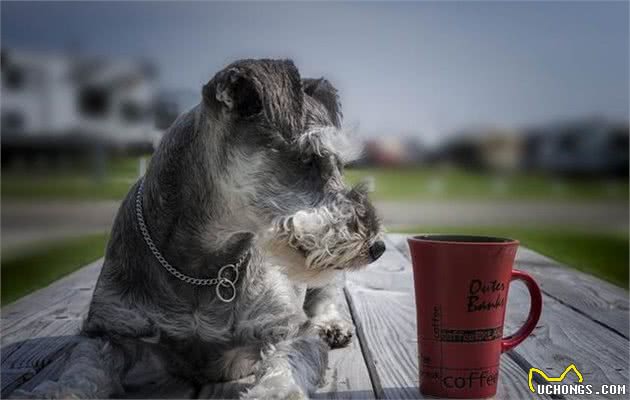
255	167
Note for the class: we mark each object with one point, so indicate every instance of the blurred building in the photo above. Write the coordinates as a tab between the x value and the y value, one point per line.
55	103
487	149
581	148
391	152
587	147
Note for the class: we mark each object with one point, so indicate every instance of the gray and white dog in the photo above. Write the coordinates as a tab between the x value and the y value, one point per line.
221	258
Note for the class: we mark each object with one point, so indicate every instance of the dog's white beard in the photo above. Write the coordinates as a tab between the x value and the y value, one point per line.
310	244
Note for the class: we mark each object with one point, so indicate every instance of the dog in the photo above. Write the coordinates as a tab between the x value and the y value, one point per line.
221	257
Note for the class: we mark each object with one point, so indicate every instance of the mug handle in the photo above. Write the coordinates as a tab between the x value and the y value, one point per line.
509	342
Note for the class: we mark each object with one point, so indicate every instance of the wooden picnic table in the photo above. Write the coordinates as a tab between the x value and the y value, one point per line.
584	321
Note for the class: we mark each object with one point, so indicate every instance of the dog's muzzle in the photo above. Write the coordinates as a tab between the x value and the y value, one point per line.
376	250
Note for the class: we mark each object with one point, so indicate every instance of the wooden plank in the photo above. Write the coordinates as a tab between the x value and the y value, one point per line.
39	331
36	353
139	384
13	378
65	300
384	312
399	241
51	371
600	301
564	336
347	375
82	279
389	337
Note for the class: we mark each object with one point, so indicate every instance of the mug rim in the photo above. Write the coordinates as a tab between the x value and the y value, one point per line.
462	239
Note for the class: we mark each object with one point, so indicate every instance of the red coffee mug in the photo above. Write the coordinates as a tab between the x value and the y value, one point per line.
462	287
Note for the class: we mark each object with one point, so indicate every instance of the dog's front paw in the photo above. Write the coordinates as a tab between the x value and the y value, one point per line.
280	392
337	332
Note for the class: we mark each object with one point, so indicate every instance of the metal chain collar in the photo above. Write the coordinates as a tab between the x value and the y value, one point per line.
222	281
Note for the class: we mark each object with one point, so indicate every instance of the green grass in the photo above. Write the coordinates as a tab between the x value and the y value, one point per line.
408	184
602	254
412	184
63	187
120	175
24	272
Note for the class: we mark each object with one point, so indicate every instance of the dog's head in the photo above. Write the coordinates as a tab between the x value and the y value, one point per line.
284	153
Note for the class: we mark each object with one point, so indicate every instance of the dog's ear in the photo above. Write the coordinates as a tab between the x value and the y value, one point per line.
236	91
270	89
324	92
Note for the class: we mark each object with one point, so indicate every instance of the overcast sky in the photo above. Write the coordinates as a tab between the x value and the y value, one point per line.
418	67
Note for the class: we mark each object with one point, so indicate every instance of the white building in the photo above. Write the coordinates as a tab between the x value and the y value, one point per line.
51	96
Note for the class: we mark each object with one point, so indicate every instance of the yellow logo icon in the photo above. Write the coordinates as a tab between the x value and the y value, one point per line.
552	379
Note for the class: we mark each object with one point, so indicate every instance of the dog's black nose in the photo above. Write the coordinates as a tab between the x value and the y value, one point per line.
377	250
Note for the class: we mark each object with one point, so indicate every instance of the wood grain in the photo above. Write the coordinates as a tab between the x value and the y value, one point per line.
385	315
599	301
347	375
51	371
65	302
564	336
39	332
14	378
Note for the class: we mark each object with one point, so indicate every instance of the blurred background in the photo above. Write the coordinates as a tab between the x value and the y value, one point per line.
490	118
